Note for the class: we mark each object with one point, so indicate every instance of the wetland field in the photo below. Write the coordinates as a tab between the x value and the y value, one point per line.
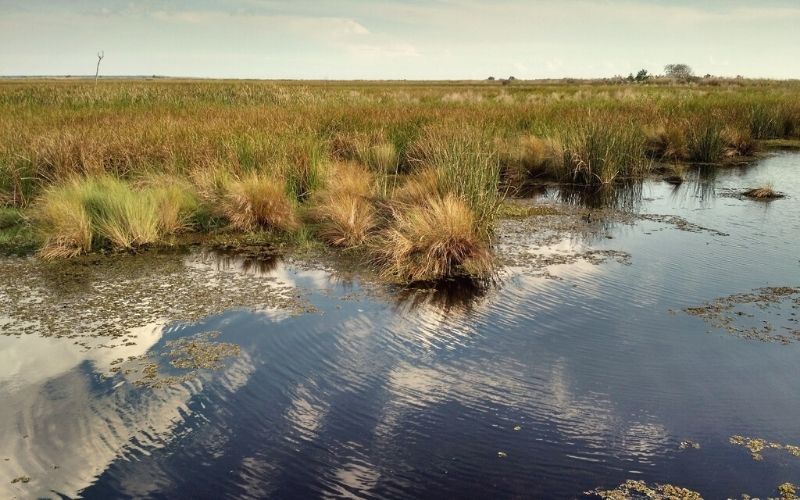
250	289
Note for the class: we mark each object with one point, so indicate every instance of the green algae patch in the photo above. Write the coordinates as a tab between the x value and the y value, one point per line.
632	489
187	356
736	314
200	352
756	446
107	296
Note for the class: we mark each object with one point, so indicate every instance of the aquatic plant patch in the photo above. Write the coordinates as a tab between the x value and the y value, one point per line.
758	445
743	314
106	297
633	489
188	355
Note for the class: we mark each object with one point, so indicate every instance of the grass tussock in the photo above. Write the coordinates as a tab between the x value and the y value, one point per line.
177	200
763	193
258	201
417	188
63	222
344	211
464	163
85	212
597	153
529	158
666	143
675	174
739	142
706	143
436	239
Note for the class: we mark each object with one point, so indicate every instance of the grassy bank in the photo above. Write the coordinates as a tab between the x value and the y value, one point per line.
409	174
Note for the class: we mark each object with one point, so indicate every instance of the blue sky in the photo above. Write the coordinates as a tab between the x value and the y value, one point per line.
395	39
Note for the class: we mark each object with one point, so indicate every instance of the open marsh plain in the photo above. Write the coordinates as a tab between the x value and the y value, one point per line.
393	290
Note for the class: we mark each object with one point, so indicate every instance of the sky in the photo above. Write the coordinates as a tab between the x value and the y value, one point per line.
399	39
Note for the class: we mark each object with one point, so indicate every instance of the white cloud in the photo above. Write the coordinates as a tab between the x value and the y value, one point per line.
444	39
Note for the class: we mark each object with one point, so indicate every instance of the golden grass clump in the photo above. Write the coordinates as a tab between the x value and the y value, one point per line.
437	239
123	217
343	210
529	157
739	142
259	201
103	209
417	188
63	222
351	179
177	201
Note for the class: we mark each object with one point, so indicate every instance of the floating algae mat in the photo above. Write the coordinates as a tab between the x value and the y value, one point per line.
633	489
758	445
106	296
192	373
187	354
743	314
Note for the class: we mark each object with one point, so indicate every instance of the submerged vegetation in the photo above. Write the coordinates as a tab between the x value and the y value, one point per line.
413	176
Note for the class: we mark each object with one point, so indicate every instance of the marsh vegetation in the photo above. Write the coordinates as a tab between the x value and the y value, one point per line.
409	176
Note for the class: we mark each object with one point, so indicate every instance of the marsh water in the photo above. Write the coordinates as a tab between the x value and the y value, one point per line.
560	377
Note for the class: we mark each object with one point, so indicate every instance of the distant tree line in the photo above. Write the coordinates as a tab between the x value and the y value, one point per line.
677	71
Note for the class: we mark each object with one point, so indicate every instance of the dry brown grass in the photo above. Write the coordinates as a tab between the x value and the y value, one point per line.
259	201
739	142
433	240
530	157
763	193
343	209
417	188
667	142
64	224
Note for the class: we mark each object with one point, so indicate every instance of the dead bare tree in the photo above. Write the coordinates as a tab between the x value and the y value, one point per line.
100	56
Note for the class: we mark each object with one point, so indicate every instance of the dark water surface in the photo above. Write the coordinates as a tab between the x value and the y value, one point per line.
537	387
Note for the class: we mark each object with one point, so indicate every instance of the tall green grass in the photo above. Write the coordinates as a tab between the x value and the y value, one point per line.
89	212
465	164
599	153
